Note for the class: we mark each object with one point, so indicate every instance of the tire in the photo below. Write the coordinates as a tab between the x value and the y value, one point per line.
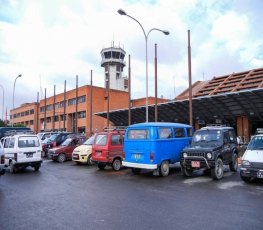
218	171
164	168
12	168
246	179
136	171
234	164
186	172
61	158
116	164
101	166
89	161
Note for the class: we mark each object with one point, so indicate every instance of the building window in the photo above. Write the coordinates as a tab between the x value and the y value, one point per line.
42	109
61	104
22	114
82	114
48	119
81	99
32	111
31	122
56	118
72	101
49	107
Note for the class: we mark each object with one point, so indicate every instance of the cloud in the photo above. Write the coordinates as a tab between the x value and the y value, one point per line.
51	41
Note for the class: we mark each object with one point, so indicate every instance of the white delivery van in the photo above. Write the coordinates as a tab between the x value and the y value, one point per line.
21	151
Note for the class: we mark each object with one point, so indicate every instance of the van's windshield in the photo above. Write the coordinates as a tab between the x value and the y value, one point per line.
256	143
207	138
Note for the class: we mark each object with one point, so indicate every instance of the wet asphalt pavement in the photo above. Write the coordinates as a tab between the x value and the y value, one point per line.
70	196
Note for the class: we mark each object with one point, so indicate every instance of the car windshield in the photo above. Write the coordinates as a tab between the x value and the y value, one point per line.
53	137
256	143
67	142
90	141
207	138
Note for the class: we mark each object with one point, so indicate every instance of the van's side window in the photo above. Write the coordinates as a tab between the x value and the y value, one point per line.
12	143
165	133
116	139
138	134
179	132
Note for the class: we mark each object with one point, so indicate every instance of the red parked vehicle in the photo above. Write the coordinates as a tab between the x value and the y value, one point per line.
108	149
64	151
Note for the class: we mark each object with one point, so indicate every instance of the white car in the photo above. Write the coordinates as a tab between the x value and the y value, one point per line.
2	160
21	151
252	160
82	153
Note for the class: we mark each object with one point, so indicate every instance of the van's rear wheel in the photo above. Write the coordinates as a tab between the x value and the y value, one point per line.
116	164
164	168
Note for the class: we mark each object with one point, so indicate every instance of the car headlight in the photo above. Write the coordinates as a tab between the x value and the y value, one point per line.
209	155
245	163
184	155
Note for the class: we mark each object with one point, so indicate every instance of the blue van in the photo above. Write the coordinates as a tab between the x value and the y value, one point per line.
155	145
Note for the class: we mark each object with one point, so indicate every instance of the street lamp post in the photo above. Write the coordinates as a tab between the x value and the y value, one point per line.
166	32
20	75
3	102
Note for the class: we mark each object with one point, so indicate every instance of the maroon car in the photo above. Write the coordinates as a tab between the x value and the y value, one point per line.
64	151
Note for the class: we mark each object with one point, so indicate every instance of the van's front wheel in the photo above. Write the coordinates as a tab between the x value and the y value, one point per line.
12	168
164	168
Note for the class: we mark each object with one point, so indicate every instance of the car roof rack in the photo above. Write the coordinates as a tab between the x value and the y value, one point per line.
114	128
16	132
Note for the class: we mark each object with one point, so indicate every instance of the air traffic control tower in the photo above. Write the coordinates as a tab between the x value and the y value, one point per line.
113	62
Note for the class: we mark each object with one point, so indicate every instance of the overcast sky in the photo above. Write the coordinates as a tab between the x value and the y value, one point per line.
50	41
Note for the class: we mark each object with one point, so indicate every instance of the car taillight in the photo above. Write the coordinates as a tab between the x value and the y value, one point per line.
54	144
2	159
151	156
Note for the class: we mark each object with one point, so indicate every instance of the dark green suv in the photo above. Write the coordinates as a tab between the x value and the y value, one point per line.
211	148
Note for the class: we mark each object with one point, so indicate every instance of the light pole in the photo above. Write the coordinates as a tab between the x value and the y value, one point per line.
166	32
20	75
3	102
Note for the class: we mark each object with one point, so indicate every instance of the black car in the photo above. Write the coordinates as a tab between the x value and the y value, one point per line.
55	140
211	148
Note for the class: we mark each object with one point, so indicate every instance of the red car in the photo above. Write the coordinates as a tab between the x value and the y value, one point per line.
64	151
108	149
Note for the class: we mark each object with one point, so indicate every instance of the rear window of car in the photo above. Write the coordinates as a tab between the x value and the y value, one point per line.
25	142
101	139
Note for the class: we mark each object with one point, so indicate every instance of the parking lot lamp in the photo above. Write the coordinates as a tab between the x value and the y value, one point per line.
20	75
166	32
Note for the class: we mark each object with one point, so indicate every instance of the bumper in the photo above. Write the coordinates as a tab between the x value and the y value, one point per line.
32	163
80	158
251	172
138	165
197	162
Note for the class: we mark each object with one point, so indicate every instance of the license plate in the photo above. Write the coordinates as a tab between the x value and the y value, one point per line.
98	154
260	174
137	156
195	164
28	155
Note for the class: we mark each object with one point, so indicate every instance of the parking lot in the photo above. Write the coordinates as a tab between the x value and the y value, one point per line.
70	196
